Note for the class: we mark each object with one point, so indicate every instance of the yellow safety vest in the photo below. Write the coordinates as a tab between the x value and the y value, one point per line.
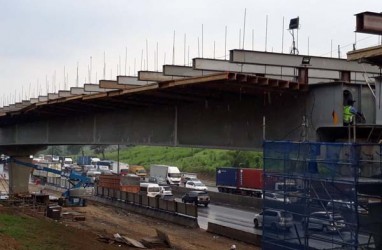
347	114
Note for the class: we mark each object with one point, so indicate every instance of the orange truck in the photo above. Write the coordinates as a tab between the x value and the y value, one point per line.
126	183
138	170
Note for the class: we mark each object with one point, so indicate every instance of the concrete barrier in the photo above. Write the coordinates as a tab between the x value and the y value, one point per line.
124	196
133	202
171	206
144	200
130	197
188	209
117	194
176	218
153	202
137	199
250	238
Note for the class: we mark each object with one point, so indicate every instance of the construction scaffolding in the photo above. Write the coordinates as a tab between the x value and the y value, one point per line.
322	195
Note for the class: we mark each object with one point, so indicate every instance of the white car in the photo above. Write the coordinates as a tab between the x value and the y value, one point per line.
345	206
326	221
198	185
276	197
275	219
4	196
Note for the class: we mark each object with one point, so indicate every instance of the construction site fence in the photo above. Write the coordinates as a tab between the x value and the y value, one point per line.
313	180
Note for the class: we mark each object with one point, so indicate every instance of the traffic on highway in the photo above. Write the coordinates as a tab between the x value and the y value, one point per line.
322	228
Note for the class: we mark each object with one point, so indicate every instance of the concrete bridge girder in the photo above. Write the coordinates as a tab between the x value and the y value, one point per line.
237	123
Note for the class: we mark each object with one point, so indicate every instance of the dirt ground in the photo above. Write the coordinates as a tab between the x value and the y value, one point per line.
106	221
101	219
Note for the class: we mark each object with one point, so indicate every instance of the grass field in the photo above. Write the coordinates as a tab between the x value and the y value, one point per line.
32	233
188	159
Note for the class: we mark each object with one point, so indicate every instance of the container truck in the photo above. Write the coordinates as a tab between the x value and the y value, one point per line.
87	160
127	183
244	181
169	174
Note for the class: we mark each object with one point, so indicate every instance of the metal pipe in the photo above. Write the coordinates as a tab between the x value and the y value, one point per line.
354	130
263	128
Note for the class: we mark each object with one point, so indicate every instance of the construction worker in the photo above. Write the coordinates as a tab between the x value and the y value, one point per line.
351	114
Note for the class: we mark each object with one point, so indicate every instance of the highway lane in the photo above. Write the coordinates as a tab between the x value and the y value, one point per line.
243	220
230	217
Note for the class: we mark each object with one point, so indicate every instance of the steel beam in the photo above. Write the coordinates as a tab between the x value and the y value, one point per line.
271	71
52	96
283	73
33	100
94	88
155	76
183	71
77	91
131	80
278	59
20	105
42	98
12	107
112	85
64	93
372	55
369	22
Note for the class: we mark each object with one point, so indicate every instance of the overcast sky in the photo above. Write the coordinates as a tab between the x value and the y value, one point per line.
42	39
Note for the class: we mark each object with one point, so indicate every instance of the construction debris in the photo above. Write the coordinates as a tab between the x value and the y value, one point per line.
54	212
128	241
74	216
159	241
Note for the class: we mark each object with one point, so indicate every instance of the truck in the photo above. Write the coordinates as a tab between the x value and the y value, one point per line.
169	174
87	160
138	170
126	183
251	182
243	181
80	186
65	161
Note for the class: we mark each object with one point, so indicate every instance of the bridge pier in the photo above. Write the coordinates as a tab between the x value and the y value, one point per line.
19	175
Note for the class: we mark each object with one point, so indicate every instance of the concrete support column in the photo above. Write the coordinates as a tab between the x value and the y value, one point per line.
19	174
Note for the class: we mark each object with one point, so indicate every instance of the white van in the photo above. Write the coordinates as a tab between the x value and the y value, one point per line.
170	174
150	189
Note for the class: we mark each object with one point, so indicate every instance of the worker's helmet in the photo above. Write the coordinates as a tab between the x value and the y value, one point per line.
350	102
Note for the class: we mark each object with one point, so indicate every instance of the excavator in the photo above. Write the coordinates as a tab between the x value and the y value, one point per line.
81	186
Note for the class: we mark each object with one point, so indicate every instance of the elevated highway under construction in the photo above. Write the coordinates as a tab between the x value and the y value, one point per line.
234	104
